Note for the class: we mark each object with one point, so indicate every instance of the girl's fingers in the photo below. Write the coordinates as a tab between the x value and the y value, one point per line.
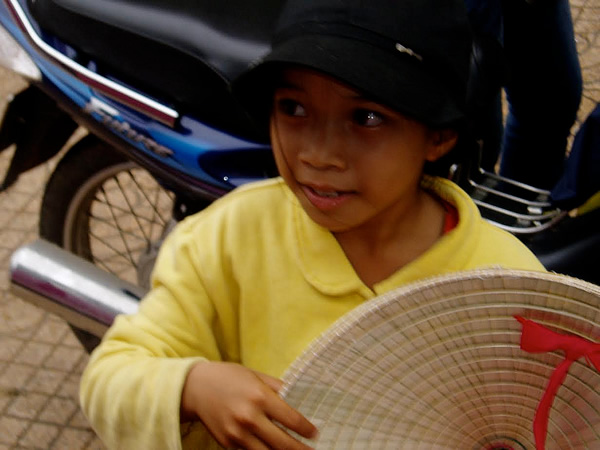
262	434
242	408
285	414
280	411
276	437
251	442
274	383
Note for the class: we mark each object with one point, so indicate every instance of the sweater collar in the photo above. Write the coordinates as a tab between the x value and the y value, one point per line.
326	267
321	258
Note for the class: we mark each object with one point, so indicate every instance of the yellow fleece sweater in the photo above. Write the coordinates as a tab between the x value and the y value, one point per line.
252	280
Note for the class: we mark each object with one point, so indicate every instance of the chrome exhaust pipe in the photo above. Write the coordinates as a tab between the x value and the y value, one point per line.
71	287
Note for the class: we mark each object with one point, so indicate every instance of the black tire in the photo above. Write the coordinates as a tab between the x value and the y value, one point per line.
106	209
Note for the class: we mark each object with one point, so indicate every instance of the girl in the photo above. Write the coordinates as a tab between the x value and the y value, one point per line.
359	97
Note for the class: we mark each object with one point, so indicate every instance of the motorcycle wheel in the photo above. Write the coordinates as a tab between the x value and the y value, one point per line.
108	210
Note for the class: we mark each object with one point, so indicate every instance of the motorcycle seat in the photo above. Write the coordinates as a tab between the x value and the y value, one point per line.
226	35
186	51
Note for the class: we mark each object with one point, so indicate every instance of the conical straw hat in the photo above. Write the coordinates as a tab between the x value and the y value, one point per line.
438	364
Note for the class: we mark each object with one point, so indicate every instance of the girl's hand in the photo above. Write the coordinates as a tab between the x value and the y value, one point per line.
239	407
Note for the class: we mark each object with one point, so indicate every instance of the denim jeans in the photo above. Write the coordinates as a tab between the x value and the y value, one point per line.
543	89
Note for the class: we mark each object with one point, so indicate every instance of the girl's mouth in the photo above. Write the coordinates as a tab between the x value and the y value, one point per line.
325	199
328	194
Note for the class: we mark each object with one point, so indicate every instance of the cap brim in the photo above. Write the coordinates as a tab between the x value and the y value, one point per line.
401	83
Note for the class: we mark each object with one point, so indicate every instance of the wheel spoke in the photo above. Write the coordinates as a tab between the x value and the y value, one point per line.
158	190
118	218
123	240
124	255
110	224
131	208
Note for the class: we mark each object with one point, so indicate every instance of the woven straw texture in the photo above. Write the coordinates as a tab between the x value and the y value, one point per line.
438	364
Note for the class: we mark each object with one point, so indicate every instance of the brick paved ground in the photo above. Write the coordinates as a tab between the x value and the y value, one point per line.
41	361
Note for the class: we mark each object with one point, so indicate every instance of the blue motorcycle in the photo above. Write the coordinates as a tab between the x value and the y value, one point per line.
149	81
140	92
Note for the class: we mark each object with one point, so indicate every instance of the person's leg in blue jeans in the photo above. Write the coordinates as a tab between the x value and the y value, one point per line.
543	91
486	21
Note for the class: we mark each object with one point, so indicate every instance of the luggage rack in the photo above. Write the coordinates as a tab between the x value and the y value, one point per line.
511	205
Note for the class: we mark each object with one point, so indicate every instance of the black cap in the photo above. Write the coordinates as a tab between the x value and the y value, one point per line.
411	55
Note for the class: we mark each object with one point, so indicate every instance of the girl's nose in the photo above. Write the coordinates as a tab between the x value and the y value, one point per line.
324	148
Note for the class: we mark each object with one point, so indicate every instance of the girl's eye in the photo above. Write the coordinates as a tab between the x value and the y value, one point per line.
291	108
367	118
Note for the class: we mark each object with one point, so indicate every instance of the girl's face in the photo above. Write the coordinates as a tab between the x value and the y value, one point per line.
350	161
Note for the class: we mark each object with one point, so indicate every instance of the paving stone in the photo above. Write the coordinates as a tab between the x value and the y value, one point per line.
52	330
27	405
70	386
73	438
4	281
41	361
78	420
39	436
19	318
34	353
46	381
64	358
11	428
7	396
16	376
59	410
70	340
10	347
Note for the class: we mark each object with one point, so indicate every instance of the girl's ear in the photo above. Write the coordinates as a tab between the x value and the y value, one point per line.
442	141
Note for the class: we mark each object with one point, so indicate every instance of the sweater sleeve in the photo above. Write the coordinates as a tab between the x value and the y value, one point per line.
503	249
131	389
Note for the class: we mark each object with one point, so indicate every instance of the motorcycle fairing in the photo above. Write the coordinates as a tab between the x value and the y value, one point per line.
189	138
